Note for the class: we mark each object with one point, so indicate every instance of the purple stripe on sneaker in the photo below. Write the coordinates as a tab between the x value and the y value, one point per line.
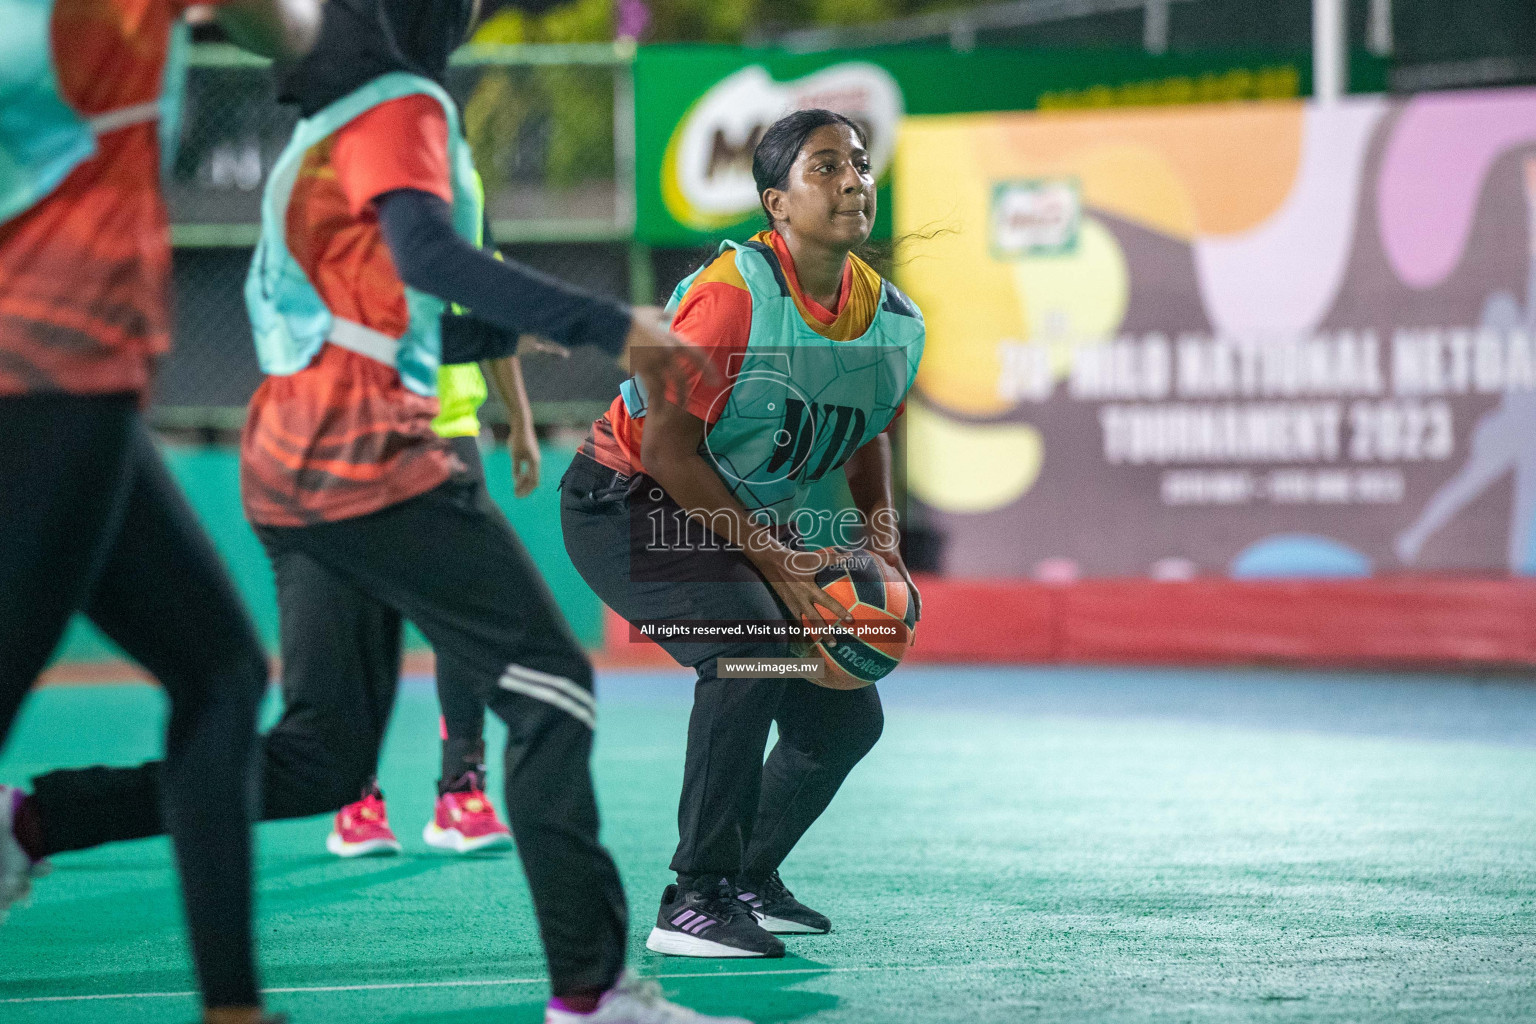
697	928
683	918
746	896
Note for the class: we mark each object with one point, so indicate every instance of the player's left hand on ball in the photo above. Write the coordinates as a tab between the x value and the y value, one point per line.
894	560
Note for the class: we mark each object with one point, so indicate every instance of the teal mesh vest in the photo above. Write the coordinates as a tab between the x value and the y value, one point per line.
800	403
289	319
42	138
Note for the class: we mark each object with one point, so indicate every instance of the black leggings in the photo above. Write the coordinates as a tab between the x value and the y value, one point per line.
737	817
449	562
91	521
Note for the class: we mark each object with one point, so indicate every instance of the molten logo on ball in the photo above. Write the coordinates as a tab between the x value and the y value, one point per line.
876	595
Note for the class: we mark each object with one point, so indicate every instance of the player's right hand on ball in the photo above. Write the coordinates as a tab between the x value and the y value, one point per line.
792	575
662	360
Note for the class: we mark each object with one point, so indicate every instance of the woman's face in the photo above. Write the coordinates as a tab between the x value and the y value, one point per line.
829	197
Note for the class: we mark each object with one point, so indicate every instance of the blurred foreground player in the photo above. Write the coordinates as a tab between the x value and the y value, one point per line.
370	224
816	354
369	220
90	520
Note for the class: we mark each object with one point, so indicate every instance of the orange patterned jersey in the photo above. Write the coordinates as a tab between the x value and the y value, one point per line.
85	274
716	316
344	437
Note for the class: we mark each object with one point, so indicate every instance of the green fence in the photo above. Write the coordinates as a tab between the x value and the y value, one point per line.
552	128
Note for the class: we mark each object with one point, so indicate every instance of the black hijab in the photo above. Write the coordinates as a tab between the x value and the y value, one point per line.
363	39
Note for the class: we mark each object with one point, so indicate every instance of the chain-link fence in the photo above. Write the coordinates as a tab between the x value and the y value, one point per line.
551	128
552	132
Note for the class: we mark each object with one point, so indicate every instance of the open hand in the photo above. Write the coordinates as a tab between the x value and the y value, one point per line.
525	466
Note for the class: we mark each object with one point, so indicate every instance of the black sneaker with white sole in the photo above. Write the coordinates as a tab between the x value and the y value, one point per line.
777	909
709	922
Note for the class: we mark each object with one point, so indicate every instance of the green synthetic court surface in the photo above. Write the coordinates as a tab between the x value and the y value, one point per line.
1022	846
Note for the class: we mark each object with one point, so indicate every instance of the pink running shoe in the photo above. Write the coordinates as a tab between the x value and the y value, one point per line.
362	829
466	820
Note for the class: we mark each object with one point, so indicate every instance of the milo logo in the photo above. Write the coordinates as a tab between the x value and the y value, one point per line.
706	173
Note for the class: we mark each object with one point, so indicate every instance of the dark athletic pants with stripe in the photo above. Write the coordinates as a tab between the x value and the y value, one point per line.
91	521
738	817
448	561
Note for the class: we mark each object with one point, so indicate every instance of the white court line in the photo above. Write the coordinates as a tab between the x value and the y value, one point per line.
393	986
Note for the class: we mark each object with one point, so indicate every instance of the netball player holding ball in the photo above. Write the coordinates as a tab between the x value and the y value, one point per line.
816	353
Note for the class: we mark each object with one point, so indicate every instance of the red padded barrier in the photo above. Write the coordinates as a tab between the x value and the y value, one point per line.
1409	621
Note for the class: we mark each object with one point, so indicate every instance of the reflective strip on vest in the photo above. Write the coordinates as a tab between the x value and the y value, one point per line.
289	318
42	137
365	341
113	120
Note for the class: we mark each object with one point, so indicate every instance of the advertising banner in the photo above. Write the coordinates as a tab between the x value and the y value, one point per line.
1250	340
699	110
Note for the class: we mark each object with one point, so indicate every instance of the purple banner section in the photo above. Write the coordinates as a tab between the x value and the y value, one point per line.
1270	340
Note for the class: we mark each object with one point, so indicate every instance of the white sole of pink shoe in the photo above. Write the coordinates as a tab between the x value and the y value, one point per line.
454	841
368	848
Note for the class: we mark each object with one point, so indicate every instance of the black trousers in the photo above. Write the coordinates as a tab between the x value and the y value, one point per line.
463	709
314	612
448	561
738	817
91	521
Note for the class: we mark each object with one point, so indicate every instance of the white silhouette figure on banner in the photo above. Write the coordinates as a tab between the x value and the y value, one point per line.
1504	440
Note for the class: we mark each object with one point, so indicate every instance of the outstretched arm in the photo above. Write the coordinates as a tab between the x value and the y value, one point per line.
431	257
